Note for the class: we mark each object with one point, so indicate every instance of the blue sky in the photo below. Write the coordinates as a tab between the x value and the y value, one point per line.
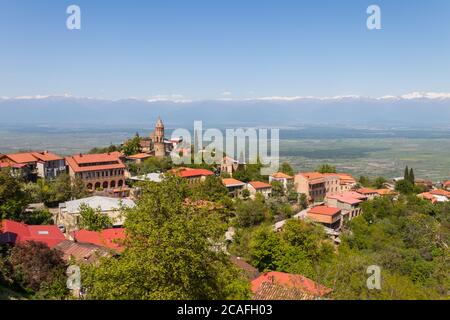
208	49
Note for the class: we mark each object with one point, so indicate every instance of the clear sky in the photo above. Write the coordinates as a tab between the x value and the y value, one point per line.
203	49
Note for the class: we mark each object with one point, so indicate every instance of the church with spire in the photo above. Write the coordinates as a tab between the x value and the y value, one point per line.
156	144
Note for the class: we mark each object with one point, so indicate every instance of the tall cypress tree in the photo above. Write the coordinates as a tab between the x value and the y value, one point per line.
412	179
406	175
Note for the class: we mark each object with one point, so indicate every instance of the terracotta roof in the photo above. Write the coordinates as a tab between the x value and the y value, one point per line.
313	177
80	163
11	165
189	173
366	191
281	175
46	156
230	182
139	156
427	196
259	185
386	192
30	157
16	232
279	285
325	210
345	199
440	192
108	238
353	194
81	252
447	183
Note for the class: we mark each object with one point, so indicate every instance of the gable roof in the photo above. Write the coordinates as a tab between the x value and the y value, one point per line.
30	157
108	238
440	192
93	162
139	156
324	210
16	232
281	175
230	182
271	285
345	199
81	252
259	185
366	191
190	173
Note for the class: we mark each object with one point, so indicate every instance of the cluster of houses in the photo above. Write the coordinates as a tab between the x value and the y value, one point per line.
332	199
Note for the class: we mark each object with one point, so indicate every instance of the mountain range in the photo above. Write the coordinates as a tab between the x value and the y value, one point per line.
413	110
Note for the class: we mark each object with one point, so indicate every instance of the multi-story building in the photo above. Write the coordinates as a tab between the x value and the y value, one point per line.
192	175
234	187
45	164
328	216
285	179
312	184
98	171
350	207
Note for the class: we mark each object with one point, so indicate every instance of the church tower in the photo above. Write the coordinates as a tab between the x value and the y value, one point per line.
160	148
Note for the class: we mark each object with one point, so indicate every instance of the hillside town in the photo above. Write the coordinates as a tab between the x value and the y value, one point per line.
88	224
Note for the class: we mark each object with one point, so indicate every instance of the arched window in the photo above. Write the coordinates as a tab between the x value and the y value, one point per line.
120	184
112	184
89	186
97	185
105	185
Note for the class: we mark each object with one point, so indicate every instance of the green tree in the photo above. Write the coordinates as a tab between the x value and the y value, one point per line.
406	174
326	168
12	199
404	187
287	169
249	213
93	219
411	176
277	189
245	194
172	252
132	146
303	201
212	189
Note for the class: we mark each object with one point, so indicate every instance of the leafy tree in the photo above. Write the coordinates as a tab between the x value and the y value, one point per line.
245	194
132	146
93	219
404	187
37	217
379	183
364	181
287	169
250	213
111	148
38	268
277	189
303	201
12	198
212	189
326	168
172	252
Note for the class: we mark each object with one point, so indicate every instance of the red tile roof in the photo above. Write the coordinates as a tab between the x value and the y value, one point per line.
313	177
447	183
104	161
190	173
290	282
345	199
325	210
281	175
108	238
30	157
439	192
11	165
259	185
353	194
366	191
230	182
82	252
16	232
139	156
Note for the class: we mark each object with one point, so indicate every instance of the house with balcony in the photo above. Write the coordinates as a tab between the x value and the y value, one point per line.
329	217
234	186
312	184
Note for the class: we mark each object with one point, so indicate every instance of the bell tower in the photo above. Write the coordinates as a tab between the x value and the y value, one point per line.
160	148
